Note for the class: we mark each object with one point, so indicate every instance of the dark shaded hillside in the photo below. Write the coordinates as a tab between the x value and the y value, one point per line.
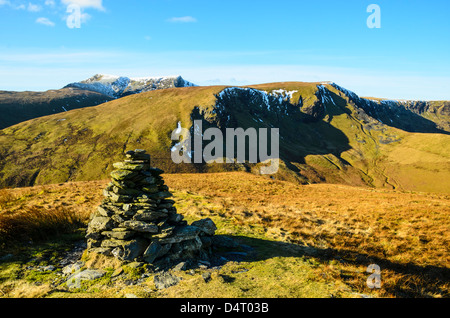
16	107
411	116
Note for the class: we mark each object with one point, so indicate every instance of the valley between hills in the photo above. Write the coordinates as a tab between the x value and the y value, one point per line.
361	181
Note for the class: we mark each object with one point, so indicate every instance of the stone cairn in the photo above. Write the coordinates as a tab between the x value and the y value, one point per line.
138	222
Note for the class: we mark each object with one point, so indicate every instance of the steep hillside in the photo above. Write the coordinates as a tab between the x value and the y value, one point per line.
16	107
324	137
412	116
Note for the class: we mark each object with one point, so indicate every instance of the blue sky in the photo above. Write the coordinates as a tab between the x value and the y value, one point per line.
231	43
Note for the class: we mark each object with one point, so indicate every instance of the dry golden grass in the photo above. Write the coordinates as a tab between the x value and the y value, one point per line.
343	229
404	233
40	212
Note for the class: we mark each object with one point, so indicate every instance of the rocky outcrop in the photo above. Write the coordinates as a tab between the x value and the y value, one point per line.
137	220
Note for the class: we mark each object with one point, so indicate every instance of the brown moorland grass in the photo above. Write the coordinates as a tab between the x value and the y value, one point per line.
38	213
405	233
343	228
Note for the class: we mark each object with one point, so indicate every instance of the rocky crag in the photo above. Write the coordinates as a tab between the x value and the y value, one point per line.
137	222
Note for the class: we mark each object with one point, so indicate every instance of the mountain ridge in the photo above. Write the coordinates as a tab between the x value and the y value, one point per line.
324	137
119	86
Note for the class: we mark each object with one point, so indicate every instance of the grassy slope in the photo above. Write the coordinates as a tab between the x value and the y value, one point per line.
17	107
394	158
309	241
83	143
341	148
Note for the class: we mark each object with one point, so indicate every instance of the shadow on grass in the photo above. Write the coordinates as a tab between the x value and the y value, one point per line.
413	280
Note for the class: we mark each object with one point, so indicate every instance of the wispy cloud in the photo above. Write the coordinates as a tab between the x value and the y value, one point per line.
186	19
45	21
44	69
33	7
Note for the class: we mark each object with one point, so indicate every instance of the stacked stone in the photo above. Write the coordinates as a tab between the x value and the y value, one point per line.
138	222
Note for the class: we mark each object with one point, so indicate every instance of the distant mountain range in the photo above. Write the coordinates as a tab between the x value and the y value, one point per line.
16	107
327	133
120	86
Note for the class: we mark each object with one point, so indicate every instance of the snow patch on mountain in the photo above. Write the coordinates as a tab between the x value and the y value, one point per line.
119	86
267	99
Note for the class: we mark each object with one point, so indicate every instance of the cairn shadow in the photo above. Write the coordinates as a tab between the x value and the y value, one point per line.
433	278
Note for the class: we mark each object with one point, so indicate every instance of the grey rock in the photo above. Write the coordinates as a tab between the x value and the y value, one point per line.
130	166
160	195
206	225
120	235
121	175
117	218
181	234
100	223
137	221
104	211
125	184
119	198
191	247
151	189
206	241
89	274
101	250
111	243
138	154
126	191
206	276
154	251
140	226
134	249
165	280
149	216
72	268
175	217
165	205
148	181
48	268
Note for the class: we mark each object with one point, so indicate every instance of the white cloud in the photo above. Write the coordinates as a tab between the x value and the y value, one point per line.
33	7
85	17
50	3
95	4
11	5
187	19
45	21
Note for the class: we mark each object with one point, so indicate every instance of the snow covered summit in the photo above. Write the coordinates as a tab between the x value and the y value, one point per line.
119	86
